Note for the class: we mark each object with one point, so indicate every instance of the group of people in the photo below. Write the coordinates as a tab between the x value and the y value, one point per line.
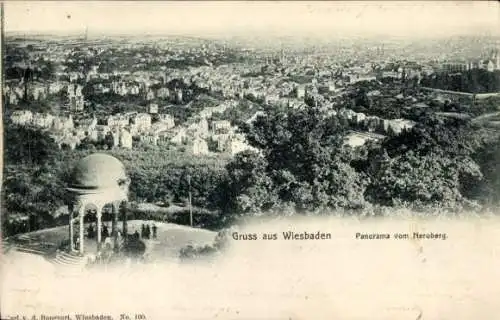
91	232
146	231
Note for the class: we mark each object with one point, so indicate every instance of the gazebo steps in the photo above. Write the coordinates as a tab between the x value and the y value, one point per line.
7	246
26	249
69	259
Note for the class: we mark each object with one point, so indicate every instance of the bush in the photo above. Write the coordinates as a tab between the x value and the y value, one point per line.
190	252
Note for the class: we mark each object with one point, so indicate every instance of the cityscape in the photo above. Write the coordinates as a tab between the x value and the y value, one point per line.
133	149
178	108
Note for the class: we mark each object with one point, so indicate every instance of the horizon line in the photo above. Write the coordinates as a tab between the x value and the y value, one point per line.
355	34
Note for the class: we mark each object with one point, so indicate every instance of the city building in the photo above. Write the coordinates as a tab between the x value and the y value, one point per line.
125	139
141	121
63	123
150	138
221	127
42	120
118	120
236	144
166	120
198	146
153	108
21	117
356	139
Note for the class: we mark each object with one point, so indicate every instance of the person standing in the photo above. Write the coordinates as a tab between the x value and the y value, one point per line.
76	241
154	231
90	231
105	232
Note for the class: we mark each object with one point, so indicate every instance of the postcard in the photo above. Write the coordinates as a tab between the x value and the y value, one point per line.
250	160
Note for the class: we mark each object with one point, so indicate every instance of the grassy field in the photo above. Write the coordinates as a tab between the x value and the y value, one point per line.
171	238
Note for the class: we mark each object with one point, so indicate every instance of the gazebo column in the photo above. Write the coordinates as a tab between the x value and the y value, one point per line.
71	231
99	227
81	212
124	221
114	224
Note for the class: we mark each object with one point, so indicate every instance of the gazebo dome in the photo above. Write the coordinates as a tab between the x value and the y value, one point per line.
98	171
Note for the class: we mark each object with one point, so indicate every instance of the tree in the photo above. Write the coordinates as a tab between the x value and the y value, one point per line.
488	157
28	145
421	179
431	163
249	189
432	134
303	163
362	99
34	192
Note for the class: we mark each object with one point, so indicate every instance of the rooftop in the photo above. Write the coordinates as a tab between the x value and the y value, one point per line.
98	171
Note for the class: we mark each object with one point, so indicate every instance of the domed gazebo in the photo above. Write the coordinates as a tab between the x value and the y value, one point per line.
98	180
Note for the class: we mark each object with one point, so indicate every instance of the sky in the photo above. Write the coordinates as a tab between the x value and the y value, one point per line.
241	17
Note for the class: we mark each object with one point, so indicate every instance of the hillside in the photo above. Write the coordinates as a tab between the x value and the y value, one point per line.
44	243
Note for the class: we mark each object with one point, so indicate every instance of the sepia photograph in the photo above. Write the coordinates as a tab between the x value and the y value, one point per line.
274	160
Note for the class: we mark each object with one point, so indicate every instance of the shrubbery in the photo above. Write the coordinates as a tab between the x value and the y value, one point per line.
303	164
472	81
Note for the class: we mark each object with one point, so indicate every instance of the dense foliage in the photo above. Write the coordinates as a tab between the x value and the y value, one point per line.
32	189
36	173
472	81
305	164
